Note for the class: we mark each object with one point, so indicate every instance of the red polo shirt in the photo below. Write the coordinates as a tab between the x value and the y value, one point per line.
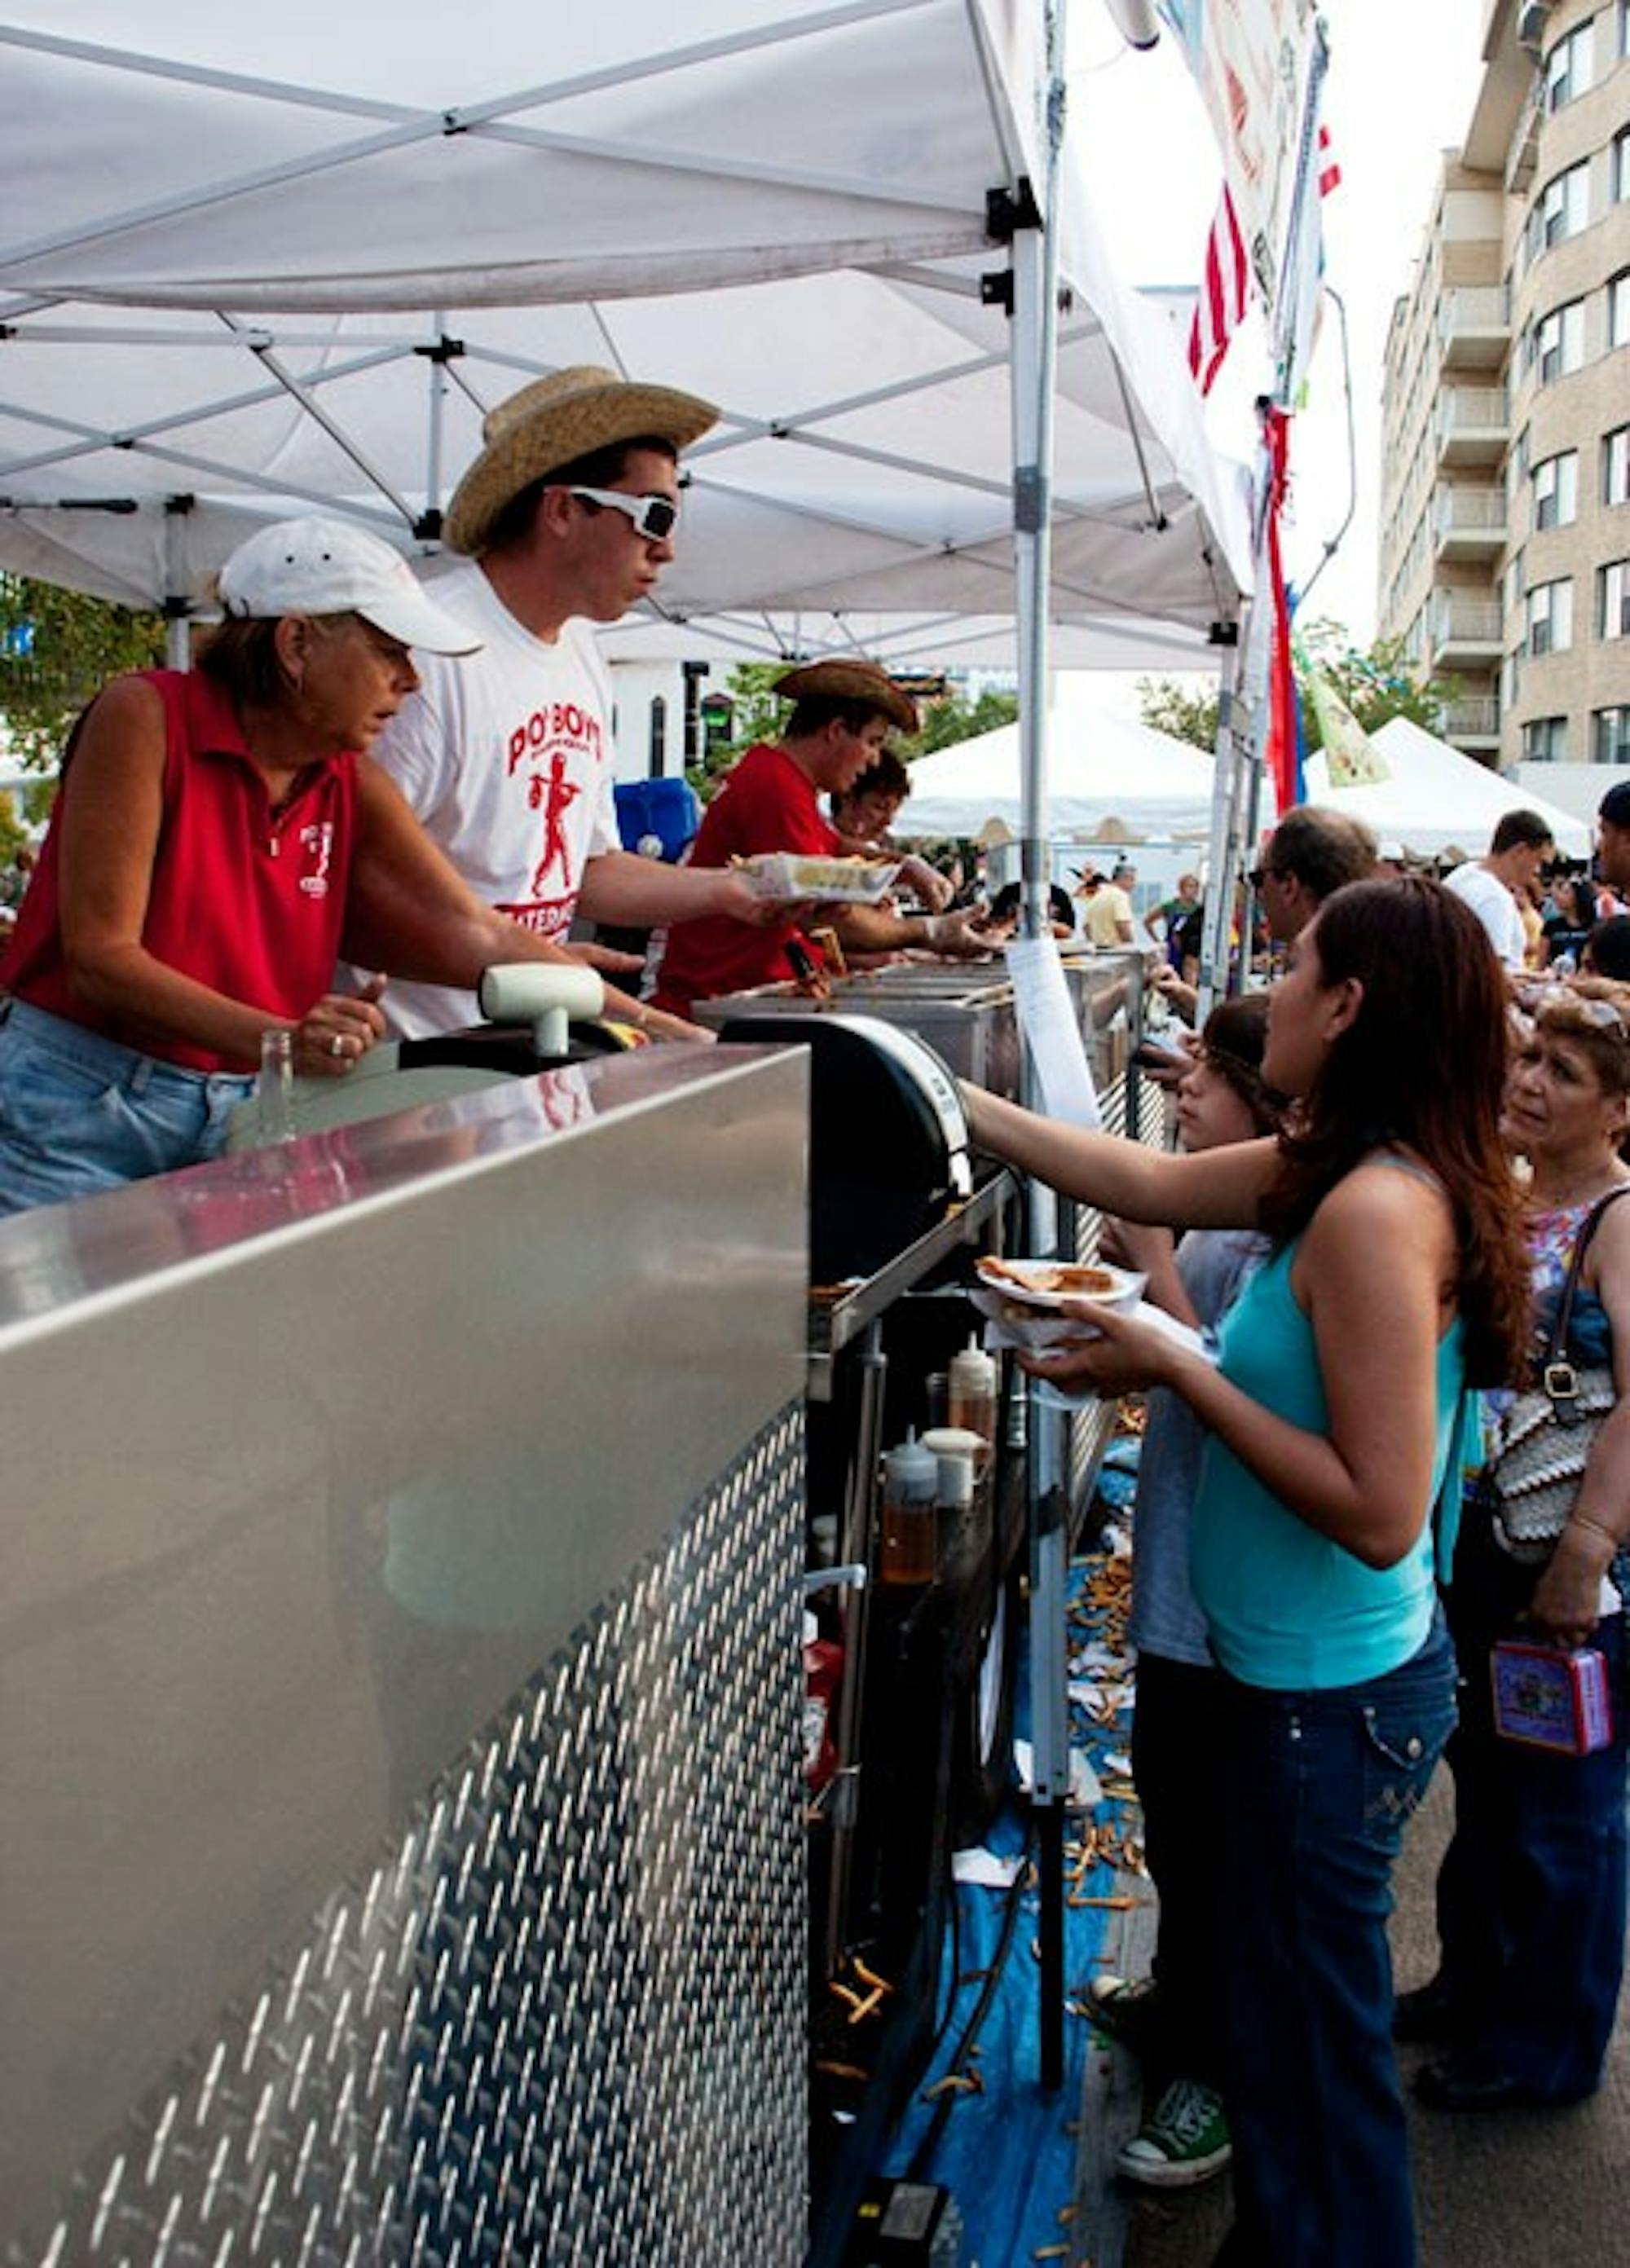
767	803
250	903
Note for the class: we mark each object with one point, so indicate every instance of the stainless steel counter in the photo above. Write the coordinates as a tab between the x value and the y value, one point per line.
400	1687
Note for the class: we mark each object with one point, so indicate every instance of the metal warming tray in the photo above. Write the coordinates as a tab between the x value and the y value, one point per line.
965	1014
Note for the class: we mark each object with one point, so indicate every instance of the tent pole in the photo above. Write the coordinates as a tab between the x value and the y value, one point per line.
177	598
1034	338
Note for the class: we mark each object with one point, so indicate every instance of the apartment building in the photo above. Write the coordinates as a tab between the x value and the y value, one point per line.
1505	507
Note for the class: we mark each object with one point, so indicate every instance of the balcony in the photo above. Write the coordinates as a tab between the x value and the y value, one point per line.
1468	523
1472	722
1473	326
1472	424
1523	151
1465	632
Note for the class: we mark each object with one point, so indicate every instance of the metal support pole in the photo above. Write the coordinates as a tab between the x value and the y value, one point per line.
1035	360
177	597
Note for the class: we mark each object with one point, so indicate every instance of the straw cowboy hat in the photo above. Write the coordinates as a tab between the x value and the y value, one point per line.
552	422
850	681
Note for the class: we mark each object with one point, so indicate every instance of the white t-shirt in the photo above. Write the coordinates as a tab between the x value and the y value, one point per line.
506	758
1494	907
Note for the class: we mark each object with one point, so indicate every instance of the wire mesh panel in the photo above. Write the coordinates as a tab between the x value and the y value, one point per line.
563	2018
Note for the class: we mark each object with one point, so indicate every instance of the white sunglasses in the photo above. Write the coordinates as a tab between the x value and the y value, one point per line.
654	516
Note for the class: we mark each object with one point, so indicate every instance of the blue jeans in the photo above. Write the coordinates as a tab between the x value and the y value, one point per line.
1531	1894
79	1112
1320	1785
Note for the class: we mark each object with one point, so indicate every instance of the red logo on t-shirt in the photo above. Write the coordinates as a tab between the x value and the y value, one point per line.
548	741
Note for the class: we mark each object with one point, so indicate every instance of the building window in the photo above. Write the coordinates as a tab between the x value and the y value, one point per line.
1619	165
1613	599
1545	740
1619	309
1558	341
1556	491
1560	210
1568	66
1550	617
1616	466
1511	585
657	742
1611	735
1623	27
1510	680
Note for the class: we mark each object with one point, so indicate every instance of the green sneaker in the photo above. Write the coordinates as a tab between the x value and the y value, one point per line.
1128	2011
1185	2141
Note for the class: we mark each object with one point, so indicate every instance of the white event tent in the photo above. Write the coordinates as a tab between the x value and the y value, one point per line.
252	265
1434	798
1108	776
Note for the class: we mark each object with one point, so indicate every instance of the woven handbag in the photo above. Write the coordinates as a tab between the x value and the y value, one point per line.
1546	1435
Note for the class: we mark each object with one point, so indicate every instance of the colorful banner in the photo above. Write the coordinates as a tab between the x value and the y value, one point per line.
1251	59
1352	759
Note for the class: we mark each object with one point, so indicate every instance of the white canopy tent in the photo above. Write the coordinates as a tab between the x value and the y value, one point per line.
1107	775
187	215
788	209
1437	799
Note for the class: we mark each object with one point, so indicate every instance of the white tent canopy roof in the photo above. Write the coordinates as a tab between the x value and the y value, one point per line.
1104	769
1436	799
156	156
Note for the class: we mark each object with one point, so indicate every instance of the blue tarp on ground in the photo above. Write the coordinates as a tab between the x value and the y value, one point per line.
1009	2152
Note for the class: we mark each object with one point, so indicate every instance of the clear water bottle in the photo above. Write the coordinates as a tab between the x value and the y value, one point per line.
274	1094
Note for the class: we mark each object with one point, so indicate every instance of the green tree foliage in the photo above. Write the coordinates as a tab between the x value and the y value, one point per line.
14	834
1376	683
759	714
56	649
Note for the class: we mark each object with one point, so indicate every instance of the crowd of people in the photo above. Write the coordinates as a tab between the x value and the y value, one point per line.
1397	1193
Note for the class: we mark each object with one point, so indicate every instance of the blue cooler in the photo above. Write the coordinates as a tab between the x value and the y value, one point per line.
667	808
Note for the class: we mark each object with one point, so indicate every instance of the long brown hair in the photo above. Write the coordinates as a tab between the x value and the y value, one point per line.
1422	1067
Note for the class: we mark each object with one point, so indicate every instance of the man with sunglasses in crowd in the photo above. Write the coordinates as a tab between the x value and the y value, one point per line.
568	517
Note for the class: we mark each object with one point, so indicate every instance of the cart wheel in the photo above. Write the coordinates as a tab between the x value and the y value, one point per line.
982	1764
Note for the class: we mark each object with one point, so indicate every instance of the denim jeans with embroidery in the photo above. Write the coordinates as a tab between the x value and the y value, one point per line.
1321	1785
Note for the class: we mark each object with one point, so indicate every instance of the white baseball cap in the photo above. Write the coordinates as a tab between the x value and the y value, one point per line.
322	567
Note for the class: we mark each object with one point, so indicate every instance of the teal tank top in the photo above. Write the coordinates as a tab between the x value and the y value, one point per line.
1287	1608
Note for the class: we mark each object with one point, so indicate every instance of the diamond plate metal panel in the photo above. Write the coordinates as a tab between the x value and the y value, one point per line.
562	2020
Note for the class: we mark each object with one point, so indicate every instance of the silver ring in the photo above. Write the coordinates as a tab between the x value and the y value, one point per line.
337	1045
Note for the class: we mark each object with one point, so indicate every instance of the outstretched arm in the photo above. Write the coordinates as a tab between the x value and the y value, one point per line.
1210	1188
411	913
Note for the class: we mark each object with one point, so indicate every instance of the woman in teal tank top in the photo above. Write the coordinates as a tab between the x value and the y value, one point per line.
1396	1278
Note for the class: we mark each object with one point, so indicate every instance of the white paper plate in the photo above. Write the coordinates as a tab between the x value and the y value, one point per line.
782	875
1033	1283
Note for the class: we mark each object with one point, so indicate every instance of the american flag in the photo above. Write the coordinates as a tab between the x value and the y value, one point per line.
1225	283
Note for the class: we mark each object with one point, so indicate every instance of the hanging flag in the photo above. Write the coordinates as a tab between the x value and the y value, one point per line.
1351	756
1250	59
1223	289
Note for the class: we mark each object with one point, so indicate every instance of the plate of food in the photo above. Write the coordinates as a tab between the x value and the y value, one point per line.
788	875
1048	1284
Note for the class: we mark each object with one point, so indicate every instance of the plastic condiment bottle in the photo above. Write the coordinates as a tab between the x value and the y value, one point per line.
911	1487
972	1377
956	1451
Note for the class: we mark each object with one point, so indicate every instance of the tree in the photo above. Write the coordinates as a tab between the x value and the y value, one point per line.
760	713
57	648
14	834
1376	684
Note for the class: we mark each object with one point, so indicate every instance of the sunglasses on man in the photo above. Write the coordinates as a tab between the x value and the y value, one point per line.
654	516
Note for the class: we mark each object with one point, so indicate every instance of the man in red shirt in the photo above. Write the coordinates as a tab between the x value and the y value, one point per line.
841	715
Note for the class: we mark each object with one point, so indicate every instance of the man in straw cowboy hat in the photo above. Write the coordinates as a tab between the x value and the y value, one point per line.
771	801
566	518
